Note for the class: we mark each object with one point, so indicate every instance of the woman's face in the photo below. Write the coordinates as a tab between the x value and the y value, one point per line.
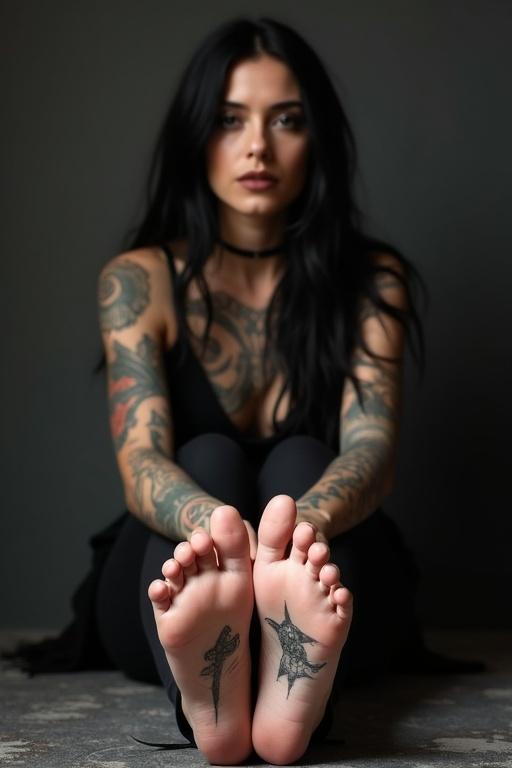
261	128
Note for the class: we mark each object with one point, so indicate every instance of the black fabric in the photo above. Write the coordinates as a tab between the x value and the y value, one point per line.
197	410
113	624
372	558
78	647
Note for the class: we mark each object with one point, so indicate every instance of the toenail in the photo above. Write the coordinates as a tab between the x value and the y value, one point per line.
196	530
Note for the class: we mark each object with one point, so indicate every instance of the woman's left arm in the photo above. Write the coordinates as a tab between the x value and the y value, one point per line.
361	476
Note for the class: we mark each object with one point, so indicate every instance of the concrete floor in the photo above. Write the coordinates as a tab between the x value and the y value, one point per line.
86	720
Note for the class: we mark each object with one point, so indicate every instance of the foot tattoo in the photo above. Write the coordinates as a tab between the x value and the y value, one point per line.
223	648
294	662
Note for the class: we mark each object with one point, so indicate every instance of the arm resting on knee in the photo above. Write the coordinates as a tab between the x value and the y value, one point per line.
356	482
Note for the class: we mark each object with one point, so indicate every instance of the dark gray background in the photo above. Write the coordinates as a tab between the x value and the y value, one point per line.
427	87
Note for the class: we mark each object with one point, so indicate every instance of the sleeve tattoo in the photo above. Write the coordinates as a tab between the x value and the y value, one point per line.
164	490
134	376
123	295
356	481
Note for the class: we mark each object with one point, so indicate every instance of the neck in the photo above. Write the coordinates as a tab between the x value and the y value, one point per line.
253	233
250	232
252	254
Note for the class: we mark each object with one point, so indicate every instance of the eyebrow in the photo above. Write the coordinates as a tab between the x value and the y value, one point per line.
273	107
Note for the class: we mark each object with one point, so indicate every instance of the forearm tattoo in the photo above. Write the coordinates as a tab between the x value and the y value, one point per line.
162	489
123	295
133	377
294	663
357	477
377	412
224	647
236	375
158	427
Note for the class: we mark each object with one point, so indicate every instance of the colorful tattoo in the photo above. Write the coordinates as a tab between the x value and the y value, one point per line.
134	376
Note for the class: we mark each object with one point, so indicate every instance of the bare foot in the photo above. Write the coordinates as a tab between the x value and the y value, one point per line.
305	616
202	612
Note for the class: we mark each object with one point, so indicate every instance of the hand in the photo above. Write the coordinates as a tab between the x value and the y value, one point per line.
253	539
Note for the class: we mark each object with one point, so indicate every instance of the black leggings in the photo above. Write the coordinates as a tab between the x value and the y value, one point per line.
372	558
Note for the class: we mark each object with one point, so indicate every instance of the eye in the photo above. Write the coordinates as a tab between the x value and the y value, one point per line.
293	121
227	120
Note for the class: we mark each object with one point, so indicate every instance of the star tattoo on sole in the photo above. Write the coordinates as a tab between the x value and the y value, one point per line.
294	662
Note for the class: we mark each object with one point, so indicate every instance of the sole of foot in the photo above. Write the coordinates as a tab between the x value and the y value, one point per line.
203	611
305	616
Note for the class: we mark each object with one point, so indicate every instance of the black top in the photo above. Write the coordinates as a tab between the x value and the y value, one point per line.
195	406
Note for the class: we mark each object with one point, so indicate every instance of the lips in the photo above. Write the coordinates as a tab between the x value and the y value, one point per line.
257	176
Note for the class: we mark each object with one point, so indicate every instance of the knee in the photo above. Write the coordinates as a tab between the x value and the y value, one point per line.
293	466
219	465
209	454
208	444
300	446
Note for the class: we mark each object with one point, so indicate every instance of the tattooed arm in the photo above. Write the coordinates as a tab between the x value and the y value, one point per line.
135	307
356	482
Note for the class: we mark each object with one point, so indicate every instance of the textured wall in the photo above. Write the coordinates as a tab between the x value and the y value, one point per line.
84	88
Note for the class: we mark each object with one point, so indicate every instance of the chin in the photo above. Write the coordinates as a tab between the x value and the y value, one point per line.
263	208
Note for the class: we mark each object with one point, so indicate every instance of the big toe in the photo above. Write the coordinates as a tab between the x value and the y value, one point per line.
230	538
276	528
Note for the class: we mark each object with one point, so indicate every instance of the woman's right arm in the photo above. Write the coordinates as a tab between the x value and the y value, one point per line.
136	318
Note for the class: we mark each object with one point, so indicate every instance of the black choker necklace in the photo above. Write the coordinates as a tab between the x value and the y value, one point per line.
252	254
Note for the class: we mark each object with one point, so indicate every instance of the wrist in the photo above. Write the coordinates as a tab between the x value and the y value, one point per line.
196	512
319	517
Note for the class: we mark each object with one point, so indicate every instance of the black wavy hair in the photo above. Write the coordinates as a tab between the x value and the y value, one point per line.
312	322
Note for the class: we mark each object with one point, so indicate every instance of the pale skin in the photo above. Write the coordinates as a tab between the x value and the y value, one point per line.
223	569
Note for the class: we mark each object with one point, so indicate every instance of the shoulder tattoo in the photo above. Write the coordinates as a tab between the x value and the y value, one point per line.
123	295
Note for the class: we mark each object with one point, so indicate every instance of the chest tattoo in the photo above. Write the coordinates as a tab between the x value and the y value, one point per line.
234	355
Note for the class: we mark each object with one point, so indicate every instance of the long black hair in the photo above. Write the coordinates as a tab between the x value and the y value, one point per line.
312	320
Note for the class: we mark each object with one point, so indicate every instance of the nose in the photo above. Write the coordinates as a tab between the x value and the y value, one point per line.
258	142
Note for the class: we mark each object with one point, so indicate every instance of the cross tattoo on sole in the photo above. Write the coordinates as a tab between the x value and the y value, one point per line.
224	647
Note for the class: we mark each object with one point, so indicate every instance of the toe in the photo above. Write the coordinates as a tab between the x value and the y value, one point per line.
329	576
202	544
171	569
342	598
186	557
318	555
304	536
159	594
276	528
173	574
230	539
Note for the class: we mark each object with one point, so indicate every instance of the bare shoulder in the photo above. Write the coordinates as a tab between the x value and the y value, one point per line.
390	278
150	260
135	286
381	333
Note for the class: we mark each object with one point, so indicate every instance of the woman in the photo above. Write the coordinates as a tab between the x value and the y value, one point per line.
254	339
